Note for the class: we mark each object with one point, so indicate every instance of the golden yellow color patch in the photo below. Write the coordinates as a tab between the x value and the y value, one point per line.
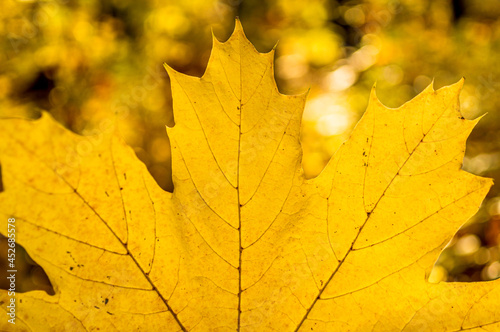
245	243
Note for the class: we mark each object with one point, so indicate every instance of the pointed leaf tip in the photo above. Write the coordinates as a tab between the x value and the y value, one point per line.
170	70
460	83
275	46
238	28
373	92
430	87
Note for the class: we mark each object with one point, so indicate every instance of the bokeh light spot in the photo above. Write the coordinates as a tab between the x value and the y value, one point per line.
467	245
342	78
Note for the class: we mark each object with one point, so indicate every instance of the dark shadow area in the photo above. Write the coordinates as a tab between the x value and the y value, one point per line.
29	276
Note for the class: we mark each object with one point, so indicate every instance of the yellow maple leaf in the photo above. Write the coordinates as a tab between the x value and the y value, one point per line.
245	242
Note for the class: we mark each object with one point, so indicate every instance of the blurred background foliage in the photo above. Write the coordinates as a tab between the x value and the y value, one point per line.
91	63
